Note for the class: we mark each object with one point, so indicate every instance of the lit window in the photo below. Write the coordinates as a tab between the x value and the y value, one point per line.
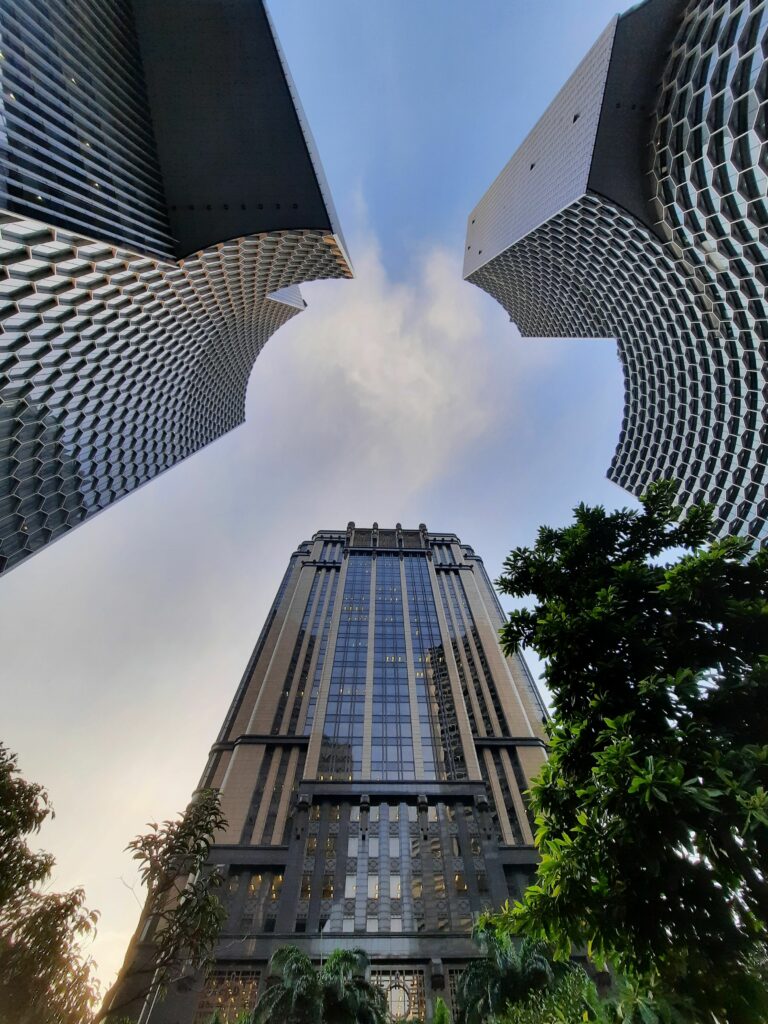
306	887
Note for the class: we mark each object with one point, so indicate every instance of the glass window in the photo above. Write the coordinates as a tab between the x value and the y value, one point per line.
374	813
396	924
330	844
348	924
432	814
350	887
373	887
255	884
412	813
459	882
394	887
394	846
306	887
474	845
234	883
372	924
394	812
327	887
277	885
482	882
352	846
354	814
314	812
373	846
455	846
439	883
417	889
333	812
311	844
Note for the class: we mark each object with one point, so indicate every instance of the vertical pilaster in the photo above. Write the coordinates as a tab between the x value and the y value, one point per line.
316	738
511	702
462	719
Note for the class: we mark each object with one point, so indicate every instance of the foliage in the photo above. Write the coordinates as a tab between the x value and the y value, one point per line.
335	993
652	811
507	972
184	914
44	976
441	1014
573	1001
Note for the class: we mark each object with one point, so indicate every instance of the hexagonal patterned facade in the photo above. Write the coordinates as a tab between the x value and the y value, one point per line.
149	244
659	239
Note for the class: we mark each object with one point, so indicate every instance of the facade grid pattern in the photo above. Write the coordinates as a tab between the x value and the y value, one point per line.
678	278
337	836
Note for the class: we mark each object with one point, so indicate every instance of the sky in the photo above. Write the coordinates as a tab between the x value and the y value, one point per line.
403	396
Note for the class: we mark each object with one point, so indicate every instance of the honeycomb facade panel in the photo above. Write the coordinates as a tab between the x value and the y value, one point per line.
673	263
151	241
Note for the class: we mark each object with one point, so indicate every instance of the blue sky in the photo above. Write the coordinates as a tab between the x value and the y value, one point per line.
405	395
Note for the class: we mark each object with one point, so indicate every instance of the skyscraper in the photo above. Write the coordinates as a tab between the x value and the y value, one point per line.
636	209
160	201
372	768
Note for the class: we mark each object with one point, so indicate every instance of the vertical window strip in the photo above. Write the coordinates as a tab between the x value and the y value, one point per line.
483	667
286	689
441	743
341	751
392	738
314	628
442	580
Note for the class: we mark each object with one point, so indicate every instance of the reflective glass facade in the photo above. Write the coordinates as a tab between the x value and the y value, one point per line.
372	769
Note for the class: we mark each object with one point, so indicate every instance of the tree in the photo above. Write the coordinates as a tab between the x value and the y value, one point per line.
336	993
441	1014
182	913
652	810
507	972
44	976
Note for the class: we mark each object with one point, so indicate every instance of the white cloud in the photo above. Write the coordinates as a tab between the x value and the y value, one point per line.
390	400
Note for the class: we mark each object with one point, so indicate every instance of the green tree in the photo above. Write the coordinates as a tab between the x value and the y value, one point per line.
44	976
182	911
335	993
441	1014
507	972
652	811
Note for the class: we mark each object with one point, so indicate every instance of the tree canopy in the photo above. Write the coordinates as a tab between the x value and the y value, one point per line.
45	978
652	811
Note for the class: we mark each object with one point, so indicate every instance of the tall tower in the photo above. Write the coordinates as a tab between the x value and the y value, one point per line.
160	200
636	209
372	767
